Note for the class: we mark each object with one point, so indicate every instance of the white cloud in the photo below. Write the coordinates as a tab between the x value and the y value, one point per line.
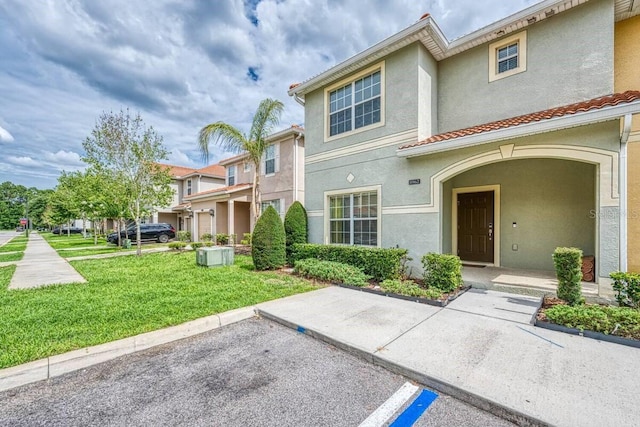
178	158
22	161
63	158
5	136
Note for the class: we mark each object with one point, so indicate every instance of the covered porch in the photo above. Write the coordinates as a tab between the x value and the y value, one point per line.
529	282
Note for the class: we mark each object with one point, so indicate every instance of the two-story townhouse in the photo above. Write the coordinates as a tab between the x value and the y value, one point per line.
498	146
227	210
185	182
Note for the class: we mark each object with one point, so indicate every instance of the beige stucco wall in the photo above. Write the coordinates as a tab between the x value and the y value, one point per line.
627	77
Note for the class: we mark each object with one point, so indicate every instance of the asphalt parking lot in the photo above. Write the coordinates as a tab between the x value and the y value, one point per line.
252	373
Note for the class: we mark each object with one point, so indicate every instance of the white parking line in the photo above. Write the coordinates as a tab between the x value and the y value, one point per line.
385	411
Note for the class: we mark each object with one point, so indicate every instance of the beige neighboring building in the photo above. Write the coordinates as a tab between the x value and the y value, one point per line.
185	182
227	209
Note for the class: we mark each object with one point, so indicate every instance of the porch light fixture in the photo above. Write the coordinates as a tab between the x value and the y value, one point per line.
212	212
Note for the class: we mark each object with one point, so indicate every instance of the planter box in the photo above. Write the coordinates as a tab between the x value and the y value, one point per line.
437	303
589	334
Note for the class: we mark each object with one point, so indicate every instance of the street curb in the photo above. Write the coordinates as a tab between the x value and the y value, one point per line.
437	384
60	364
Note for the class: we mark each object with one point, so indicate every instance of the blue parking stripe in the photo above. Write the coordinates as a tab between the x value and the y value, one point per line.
301	329
415	410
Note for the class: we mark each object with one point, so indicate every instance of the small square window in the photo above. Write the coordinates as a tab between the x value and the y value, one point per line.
508	56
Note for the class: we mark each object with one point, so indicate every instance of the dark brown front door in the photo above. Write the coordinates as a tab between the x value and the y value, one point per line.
475	226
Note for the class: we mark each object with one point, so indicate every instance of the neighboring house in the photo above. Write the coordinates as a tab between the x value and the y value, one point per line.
186	182
227	209
498	146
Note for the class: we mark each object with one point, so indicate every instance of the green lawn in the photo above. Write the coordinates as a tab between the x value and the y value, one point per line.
74	241
18	244
126	296
15	256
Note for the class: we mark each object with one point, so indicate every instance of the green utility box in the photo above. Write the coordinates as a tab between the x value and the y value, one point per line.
215	257
126	243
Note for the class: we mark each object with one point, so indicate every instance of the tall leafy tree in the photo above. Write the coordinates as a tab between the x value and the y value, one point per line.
254	143
123	149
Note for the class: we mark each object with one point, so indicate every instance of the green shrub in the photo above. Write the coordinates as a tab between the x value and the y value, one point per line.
568	264
206	237
222	239
378	263
627	287
196	245
184	236
295	227
178	246
246	239
208	244
268	250
605	319
441	271
409	288
330	271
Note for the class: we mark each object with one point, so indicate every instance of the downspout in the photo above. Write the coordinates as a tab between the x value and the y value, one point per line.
298	99
295	167
624	138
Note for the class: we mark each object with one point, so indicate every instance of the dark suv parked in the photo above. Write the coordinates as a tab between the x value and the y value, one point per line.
161	232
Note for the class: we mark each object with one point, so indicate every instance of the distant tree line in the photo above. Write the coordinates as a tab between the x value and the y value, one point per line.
13	205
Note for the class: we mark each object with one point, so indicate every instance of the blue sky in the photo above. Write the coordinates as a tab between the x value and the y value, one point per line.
180	63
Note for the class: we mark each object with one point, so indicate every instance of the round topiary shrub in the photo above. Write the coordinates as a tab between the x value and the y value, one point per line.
268	250
295	227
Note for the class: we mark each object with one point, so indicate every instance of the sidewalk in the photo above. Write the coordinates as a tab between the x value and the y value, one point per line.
481	349
41	266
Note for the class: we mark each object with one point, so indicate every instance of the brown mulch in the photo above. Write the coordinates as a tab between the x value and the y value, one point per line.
548	302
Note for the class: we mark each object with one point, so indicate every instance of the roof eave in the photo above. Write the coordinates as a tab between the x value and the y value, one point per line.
528	129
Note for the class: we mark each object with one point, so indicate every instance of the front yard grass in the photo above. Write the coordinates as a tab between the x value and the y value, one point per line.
13	256
17	244
127	296
73	241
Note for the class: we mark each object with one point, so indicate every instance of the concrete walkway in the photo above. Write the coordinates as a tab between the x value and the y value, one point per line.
41	266
481	349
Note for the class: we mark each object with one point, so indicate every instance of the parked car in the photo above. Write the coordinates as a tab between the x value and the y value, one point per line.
161	232
65	230
20	229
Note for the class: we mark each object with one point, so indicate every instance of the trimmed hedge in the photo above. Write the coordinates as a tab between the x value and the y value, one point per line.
330	271
268	249
178	246
295	226
409	288
378	263
196	245
568	264
624	321
627	287
441	271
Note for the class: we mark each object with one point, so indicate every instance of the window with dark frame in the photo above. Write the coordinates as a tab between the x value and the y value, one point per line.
231	175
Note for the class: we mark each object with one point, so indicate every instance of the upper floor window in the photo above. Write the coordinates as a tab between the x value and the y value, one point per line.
231	175
508	56
247	166
275	203
270	160
188	187
356	104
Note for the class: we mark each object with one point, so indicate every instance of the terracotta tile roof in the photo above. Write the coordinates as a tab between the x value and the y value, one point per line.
228	189
579	107
216	170
177	171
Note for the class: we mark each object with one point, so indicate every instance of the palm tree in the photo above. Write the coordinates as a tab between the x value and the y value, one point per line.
230	139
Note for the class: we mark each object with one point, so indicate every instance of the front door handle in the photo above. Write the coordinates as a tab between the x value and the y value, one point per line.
490	233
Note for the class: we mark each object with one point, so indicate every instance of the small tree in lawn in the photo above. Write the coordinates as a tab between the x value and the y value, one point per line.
295	227
126	151
268	249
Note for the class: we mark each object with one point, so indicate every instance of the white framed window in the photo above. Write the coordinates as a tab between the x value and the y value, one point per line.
231	175
275	203
188	187
355	104
247	166
270	160
353	218
508	56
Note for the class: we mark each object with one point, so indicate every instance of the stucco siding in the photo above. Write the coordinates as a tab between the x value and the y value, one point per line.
400	103
627	77
569	59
